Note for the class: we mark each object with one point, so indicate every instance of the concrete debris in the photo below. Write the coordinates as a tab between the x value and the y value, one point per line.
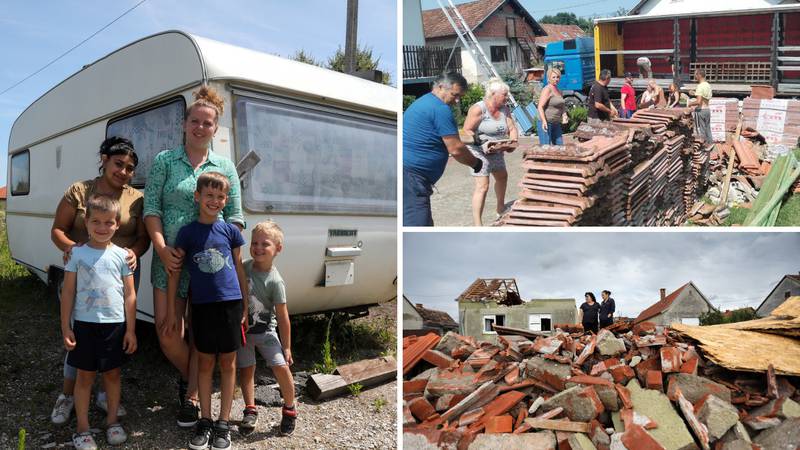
579	390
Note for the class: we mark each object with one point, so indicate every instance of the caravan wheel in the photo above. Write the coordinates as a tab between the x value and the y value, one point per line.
55	282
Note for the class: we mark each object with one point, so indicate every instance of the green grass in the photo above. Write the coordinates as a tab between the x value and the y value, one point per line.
736	216
789	215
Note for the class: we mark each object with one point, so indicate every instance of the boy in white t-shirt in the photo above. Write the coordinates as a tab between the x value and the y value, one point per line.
99	295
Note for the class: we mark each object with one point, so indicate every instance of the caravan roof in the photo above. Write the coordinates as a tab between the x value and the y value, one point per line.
172	61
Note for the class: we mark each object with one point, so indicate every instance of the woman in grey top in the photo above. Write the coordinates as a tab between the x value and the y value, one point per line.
489	121
551	111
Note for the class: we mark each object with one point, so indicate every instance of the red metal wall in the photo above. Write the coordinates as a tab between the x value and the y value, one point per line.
791	37
654	35
730	31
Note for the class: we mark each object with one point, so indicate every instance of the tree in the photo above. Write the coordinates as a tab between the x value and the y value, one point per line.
621	11
302	56
364	61
565	18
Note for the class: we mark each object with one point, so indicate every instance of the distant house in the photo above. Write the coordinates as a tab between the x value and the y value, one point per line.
3	196
505	30
685	305
489	301
420	320
789	286
556	33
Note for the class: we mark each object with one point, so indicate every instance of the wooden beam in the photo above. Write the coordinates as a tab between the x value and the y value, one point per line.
368	372
559	425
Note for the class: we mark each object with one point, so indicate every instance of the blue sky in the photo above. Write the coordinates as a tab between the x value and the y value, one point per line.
732	269
34	33
581	8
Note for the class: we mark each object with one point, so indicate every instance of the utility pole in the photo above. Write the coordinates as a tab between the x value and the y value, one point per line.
351	42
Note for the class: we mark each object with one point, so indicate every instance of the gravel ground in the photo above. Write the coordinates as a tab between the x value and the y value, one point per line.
451	202
31	357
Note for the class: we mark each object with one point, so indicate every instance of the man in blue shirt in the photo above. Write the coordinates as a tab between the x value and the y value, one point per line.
430	135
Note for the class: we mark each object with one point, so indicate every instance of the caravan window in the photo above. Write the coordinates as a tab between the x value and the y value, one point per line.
316	159
21	173
152	130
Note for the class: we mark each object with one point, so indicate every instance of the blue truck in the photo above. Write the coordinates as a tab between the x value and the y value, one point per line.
575	59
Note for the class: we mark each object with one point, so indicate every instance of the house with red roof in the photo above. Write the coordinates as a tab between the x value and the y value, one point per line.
556	33
684	305
789	286
504	29
419	320
3	196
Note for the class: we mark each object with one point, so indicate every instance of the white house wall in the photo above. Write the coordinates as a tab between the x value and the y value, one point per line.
413	33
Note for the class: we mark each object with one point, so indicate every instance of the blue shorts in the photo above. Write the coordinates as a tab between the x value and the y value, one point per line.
416	200
553	134
625	113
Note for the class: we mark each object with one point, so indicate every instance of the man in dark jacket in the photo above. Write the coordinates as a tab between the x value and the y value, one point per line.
607	308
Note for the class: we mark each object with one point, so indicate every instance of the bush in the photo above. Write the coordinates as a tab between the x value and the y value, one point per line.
407	101
715	316
577	116
522	92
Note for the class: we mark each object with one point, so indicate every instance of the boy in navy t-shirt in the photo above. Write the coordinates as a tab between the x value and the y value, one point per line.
218	289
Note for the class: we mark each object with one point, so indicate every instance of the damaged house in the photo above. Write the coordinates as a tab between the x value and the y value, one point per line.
789	286
685	306
496	301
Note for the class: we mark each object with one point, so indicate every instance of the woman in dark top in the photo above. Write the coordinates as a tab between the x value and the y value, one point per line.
607	308
589	313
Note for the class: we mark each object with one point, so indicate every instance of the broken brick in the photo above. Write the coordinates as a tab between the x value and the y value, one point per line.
690	366
500	424
670	359
421	408
414	386
695	387
437	358
655	380
635	437
622	373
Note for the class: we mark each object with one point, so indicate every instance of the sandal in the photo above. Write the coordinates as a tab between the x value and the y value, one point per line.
115	434
84	441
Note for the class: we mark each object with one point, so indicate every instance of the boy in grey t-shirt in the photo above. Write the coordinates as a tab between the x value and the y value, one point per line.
267	309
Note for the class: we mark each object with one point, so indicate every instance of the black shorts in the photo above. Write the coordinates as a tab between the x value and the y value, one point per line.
590	326
98	346
217	327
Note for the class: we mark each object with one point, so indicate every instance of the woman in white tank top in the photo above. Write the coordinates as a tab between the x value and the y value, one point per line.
490	120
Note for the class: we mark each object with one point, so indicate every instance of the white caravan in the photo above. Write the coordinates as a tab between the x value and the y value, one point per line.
326	168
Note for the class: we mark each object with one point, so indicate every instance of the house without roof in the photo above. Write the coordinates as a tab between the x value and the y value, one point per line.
490	301
684	305
789	286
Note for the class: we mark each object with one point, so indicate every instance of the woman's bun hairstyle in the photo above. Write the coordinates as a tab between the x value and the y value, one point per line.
207	96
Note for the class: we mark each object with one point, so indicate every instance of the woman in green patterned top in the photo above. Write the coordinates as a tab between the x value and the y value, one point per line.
168	206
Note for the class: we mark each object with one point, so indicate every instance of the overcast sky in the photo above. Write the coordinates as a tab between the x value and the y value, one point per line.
34	33
731	269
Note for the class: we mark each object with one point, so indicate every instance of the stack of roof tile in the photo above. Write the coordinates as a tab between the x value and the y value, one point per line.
778	120
646	387
626	172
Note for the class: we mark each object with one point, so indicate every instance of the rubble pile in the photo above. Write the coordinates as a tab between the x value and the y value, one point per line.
646	170
641	387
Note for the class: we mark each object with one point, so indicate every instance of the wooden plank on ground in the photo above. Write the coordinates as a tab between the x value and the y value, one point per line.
559	425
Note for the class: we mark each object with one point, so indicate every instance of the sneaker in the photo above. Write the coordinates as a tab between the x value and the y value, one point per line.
102	403
222	436
115	434
188	414
202	435
288	419
249	418
84	441
62	409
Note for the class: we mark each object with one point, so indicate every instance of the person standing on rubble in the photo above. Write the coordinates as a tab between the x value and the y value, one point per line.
588	313
600	106
430	135
607	308
702	114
